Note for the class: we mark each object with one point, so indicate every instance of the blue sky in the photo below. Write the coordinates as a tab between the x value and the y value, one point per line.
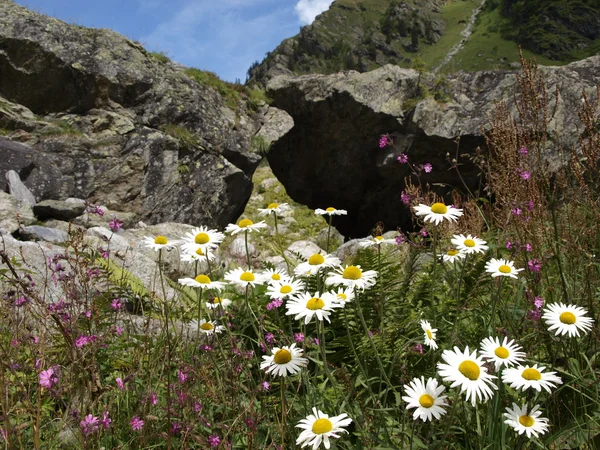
223	36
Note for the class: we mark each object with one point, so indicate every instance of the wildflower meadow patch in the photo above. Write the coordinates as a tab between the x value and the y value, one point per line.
477	331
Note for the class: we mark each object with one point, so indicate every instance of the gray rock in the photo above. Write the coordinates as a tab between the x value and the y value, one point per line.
57	209
14	213
17	189
39	233
351	172
120	128
305	248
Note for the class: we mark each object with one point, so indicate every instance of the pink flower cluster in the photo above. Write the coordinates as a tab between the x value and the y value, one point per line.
49	378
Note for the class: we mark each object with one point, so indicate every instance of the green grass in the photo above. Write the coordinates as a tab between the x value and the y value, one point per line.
161	56
185	136
233	93
486	44
453	13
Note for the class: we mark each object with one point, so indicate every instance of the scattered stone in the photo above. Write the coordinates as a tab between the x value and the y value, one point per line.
57	209
17	189
305	248
14	213
39	233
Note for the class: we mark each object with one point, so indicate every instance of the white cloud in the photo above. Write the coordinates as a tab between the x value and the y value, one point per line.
307	10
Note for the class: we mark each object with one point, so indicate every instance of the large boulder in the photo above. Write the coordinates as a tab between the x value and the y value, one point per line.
98	117
332	157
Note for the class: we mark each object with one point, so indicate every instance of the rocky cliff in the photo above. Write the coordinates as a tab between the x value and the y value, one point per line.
331	156
89	113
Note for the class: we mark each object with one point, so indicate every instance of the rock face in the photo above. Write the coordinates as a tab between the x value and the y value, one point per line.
348	170
88	113
355	36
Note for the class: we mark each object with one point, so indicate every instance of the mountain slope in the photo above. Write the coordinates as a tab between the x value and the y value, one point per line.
365	34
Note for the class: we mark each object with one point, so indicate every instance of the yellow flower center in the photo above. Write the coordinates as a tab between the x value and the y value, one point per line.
217	300
439	208
568	318
379	238
452	252
207	326
285	289
273	206
526	421
247	276
315	303
276	277
352	273
531	374
202	238
469	369
245	223
501	352
316	260
200	252
322	426
429	334
342	296
161	240
202	279
505	269
282	356
469	243
426	401
330	209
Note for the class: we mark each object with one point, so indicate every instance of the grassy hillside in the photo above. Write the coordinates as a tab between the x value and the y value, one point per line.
365	34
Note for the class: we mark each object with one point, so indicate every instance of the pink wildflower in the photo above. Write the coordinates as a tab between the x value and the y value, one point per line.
116	304
266	386
182	376
299	337
269	338
384	141
214	440
120	383
48	378
105	421
89	424
534	265
427	168
405	198
115	224
136	423
523	151
403	158
525	175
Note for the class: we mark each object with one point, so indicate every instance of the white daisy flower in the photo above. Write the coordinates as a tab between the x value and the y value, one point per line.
315	263
426	398
207	327
429	334
216	301
272	275
467	371
331	211
198	255
530	423
319	427
245	225
274	208
567	319
453	255
437	212
352	277
344	295
285	289
201	237
525	377
202	281
158	243
469	244
376	241
284	361
502	354
501	268
308	306
244	277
